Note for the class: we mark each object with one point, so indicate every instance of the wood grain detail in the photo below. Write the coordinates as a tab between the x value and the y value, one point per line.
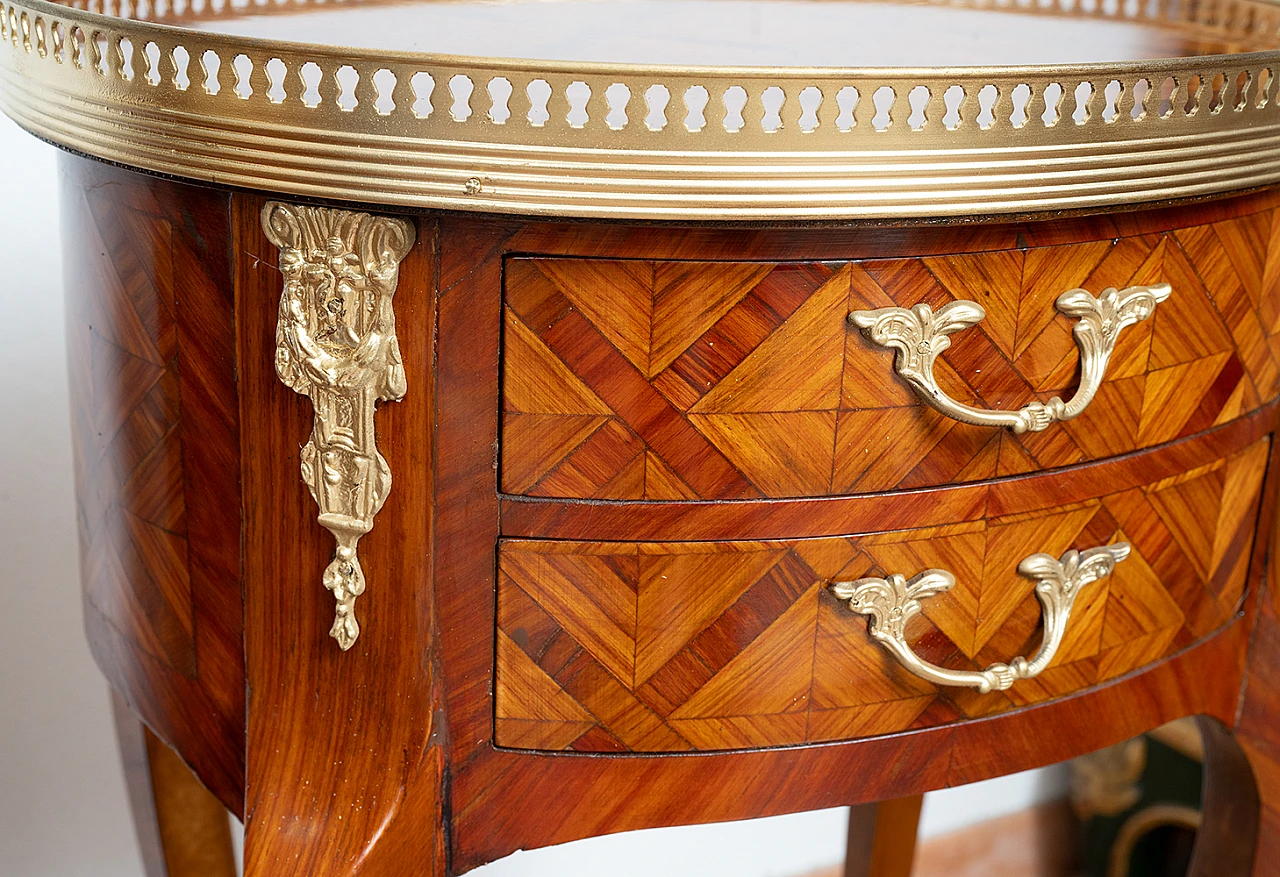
671	646
182	830
882	839
151	358
410	755
505	799
345	767
675	380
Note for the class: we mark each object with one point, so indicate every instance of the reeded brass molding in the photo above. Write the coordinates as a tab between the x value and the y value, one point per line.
919	335
336	342
892	602
653	142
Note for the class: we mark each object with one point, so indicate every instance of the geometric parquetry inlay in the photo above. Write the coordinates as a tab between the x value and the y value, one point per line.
663	647
669	380
123	339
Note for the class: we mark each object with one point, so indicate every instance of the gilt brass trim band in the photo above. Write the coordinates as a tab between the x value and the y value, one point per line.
892	602
919	335
435	131
336	342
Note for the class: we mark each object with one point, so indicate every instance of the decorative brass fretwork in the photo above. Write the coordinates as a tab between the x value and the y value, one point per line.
919	335
336	342
892	602
627	141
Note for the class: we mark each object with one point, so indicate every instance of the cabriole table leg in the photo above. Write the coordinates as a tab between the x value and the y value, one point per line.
182	829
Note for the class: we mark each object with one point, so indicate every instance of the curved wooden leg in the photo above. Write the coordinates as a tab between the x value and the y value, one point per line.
1228	831
345	754
882	838
1258	736
182	829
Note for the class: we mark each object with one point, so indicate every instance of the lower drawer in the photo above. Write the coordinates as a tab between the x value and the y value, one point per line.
676	646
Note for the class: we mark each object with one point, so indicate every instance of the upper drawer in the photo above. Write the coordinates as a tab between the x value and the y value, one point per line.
666	380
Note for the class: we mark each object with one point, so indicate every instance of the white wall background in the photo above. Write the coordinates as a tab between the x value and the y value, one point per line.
63	810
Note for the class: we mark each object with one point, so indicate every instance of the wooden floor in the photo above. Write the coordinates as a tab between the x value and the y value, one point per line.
1038	842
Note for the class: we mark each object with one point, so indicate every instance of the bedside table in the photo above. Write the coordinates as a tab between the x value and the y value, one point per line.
680	444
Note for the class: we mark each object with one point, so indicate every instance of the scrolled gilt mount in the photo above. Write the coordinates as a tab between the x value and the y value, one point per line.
892	602
919	335
336	342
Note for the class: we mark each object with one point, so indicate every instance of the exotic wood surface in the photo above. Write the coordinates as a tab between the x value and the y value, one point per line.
506	799
663	647
882	838
345	764
182	830
706	520
385	762
150	333
1259	727
676	380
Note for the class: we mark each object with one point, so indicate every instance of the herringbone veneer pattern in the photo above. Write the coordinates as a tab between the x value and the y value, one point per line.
711	380
128	450
655	647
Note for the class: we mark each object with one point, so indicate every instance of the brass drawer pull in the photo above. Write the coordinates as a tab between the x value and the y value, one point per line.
920	333
893	602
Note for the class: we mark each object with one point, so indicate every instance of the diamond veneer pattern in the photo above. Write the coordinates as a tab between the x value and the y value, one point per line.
677	380
608	646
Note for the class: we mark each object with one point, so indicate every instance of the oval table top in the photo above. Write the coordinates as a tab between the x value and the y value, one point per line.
745	33
666	109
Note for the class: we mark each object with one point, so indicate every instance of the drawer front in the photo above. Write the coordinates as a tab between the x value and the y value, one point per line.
663	647
718	380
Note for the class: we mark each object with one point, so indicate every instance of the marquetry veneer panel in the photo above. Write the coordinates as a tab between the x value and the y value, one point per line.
126	396
668	380
670	646
156	437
